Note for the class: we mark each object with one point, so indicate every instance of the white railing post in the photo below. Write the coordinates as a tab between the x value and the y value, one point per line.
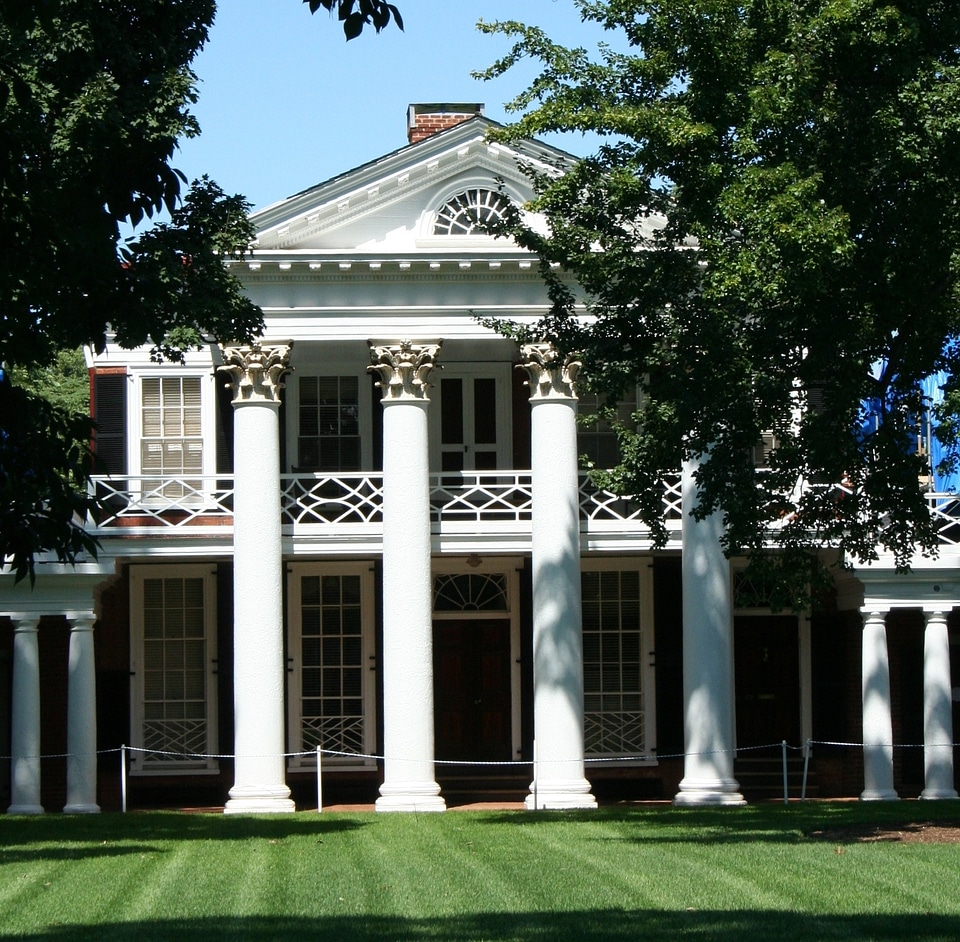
319	783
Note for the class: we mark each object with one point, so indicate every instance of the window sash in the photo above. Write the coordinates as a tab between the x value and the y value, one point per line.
173	708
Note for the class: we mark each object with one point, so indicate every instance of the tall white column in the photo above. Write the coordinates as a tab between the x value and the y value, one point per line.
708	721
409	782
877	721
937	709
256	376
81	719
559	780
25	719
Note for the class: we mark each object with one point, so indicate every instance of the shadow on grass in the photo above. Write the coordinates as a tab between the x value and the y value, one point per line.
71	837
576	926
772	823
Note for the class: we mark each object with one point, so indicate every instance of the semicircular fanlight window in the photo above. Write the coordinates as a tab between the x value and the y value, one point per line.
470	213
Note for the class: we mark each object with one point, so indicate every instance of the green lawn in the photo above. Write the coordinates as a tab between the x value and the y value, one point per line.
752	874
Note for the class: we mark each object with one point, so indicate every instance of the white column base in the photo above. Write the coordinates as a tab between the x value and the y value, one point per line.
81	808
560	796
879	795
410	797
25	809
937	794
696	793
253	799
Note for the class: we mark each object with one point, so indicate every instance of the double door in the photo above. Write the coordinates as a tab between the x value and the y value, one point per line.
473	430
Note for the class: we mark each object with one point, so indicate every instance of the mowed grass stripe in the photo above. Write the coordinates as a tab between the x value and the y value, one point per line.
722	874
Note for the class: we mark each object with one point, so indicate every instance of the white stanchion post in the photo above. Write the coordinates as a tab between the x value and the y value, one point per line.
319	783
123	778
786	786
806	767
536	776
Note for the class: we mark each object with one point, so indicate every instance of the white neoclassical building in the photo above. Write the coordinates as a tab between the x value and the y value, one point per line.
368	533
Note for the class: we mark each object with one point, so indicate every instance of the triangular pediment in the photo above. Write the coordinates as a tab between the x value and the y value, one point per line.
391	203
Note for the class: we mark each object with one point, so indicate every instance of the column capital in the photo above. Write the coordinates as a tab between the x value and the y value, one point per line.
23	622
81	621
256	371
403	369
551	374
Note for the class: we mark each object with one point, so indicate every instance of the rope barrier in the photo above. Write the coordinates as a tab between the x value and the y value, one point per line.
377	757
124	751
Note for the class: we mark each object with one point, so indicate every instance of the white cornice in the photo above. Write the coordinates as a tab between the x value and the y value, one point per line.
399	175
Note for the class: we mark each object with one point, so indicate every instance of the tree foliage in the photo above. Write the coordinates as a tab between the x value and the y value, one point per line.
94	97
769	239
355	14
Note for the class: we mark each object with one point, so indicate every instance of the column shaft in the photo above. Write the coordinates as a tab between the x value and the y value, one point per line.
81	719
258	666
707	659
559	779
937	709
409	782
877	722
25	719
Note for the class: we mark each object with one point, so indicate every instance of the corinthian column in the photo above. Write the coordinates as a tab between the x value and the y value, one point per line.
408	772
708	731
256	378
559	780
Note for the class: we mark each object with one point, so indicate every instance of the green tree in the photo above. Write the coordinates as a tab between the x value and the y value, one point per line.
94	96
769	240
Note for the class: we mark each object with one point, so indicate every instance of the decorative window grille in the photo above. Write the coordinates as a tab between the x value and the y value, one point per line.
471	592
331	663
172	625
470	213
171	439
329	426
613	695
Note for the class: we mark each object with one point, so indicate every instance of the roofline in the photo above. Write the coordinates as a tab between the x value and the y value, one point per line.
464	128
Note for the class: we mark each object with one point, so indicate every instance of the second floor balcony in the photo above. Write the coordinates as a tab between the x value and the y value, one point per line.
483	507
489	509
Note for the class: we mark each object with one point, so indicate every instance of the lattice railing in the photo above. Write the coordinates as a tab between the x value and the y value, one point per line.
467	501
141	501
610	733
338	733
174	741
481	497
331	499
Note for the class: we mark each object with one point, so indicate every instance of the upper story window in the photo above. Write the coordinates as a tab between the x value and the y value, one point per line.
171	428
596	437
329	423
470	213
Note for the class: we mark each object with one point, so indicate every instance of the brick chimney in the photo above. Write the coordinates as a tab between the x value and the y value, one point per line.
424	120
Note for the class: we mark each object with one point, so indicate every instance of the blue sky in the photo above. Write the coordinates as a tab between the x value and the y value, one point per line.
286	102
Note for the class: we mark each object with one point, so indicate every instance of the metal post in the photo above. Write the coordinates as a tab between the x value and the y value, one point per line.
319	783
536	777
783	748
806	766
123	778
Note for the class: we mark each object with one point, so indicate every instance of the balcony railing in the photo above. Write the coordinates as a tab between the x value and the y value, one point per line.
477	503
461	502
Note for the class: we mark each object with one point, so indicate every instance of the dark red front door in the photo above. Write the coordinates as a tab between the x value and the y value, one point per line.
767	659
471	661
